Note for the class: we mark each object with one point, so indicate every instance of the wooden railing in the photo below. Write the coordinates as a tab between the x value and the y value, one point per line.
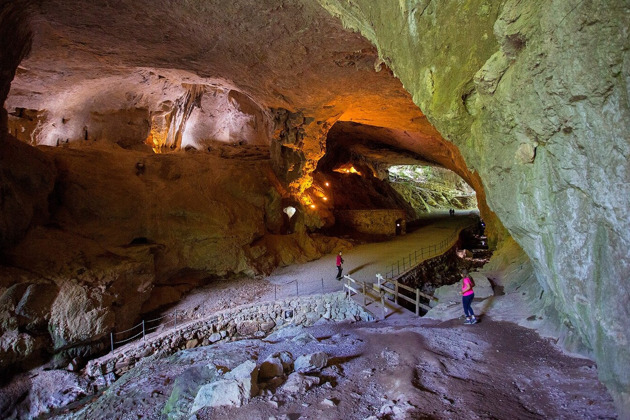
394	292
392	289
351	286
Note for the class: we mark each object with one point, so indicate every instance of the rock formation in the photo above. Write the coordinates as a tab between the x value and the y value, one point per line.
170	137
535	96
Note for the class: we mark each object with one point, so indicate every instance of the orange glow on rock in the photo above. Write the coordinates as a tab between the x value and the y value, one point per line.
347	168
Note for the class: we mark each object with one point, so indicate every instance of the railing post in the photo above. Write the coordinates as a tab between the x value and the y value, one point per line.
396	292
364	294
143	332
322	285
111	337
275	292
383	304
417	302
297	288
175	318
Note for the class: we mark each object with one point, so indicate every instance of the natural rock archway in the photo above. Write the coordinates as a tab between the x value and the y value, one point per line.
535	95
526	101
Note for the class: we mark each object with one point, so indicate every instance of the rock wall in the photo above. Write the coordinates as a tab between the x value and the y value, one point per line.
79	261
374	222
535	95
15	44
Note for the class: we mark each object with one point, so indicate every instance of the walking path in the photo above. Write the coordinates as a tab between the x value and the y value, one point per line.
364	261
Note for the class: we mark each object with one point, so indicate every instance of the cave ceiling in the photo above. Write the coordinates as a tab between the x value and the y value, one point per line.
103	56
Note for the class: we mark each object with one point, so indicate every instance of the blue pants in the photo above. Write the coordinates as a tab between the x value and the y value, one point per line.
467	301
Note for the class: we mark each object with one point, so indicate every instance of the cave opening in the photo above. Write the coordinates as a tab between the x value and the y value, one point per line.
431	189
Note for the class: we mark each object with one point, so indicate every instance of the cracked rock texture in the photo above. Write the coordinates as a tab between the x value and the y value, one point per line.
535	96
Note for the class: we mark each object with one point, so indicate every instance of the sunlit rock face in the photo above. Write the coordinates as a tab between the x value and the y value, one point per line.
535	96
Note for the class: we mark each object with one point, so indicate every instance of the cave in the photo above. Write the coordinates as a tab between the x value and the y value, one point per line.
154	151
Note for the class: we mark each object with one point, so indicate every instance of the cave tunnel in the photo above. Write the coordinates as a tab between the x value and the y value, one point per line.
238	112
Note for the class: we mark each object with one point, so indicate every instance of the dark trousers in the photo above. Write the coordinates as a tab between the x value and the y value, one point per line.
467	301
340	270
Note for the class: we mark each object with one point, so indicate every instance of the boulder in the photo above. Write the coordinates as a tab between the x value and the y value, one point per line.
234	389
287	360
298	383
270	368
246	375
186	387
311	362
223	392
303	338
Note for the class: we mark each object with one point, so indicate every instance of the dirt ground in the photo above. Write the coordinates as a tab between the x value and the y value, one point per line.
400	368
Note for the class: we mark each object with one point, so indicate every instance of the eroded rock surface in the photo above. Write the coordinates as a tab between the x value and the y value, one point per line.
535	97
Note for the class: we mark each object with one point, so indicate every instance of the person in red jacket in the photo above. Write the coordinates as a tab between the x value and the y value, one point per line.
339	267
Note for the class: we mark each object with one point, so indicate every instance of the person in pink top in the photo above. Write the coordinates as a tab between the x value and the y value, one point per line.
339	267
467	297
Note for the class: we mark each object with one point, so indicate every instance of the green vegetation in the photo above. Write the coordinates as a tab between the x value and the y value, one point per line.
429	188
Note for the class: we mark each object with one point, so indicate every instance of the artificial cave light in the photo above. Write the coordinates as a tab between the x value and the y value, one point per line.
290	211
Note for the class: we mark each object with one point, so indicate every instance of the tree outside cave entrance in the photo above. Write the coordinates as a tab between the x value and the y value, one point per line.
431	189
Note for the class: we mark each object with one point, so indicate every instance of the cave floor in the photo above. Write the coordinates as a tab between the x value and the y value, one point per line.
402	367
399	368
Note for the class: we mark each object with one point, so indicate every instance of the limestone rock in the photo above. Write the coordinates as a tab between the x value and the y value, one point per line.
298	383
47	391
303	338
222	392
311	362
186	388
287	360
246	375
78	315
27	179
270	368
233	389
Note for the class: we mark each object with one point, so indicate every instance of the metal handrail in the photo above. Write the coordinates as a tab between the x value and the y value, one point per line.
437	248
177	317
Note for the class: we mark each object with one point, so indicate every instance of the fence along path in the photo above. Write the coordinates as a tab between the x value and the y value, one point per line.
389	289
